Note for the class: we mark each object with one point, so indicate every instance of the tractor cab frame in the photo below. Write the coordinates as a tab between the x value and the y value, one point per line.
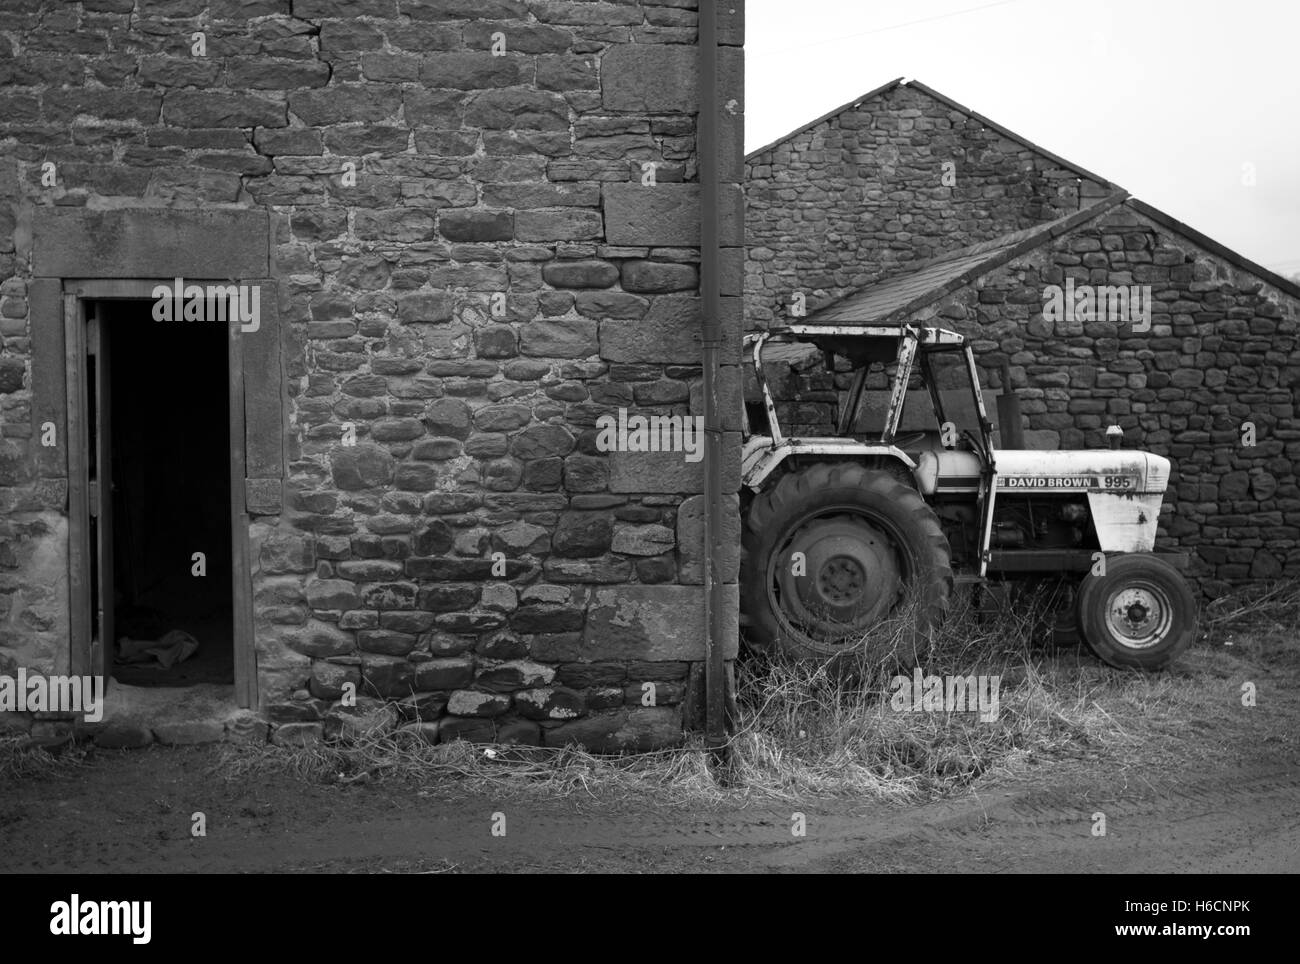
907	346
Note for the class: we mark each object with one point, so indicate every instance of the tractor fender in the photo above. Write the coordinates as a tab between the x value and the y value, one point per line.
760	458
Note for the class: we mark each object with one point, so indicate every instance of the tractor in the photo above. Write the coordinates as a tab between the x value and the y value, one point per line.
909	498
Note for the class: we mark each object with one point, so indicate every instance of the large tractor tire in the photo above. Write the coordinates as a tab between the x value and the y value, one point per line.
837	556
1140	614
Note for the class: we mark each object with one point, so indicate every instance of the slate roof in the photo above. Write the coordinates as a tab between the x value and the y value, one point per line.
897	298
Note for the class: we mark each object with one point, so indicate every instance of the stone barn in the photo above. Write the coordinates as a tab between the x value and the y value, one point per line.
905	205
418	317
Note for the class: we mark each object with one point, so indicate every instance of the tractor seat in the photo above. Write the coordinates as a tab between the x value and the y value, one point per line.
948	470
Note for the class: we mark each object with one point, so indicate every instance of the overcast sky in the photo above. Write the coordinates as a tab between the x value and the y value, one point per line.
1166	98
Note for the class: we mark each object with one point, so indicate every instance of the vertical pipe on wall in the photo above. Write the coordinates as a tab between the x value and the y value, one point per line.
706	139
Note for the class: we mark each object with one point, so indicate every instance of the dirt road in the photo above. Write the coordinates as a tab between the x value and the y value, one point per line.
133	813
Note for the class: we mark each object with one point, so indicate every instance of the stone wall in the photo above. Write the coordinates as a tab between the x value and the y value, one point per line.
500	271
1222	351
865	193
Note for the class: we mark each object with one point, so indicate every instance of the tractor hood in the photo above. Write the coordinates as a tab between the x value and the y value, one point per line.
1124	489
1099	470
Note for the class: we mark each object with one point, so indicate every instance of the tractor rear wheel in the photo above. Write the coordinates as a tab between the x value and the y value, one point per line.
1140	614
835	551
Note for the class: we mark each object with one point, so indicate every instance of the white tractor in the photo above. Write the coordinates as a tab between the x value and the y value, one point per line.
909	497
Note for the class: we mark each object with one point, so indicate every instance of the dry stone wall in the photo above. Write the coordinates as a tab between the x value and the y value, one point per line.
485	228
1211	385
895	180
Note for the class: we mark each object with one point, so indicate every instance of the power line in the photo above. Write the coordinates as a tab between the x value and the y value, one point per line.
897	26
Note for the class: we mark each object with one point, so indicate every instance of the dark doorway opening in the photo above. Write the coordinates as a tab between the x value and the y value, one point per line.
167	428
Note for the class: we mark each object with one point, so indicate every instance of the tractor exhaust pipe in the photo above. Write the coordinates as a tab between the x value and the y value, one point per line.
1010	432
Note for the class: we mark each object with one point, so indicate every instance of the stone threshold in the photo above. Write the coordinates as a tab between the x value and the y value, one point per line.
138	716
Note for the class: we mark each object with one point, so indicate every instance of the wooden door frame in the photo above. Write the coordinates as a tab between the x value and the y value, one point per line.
75	295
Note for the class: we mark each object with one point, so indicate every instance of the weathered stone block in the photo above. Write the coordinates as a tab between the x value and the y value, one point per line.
477	226
638	730
583	534
444	674
570	338
328	679
668	214
513	675
388	676
580	274
542	441
424	707
320	639
469	729
519	733
643	540
558	224
125	734
285	552
547	703
361	466
386	641
517	109
690	540
476	703
149	243
649	78
656	277
646	472
652	623
546	618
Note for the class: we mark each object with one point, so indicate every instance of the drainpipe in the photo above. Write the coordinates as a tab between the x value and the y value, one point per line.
706	139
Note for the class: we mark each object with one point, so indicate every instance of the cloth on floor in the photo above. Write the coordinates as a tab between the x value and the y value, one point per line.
174	647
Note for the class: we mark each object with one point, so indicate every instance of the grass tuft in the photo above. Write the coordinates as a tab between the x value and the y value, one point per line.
813	729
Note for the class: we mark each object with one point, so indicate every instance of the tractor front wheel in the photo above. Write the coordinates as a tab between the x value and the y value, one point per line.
1140	614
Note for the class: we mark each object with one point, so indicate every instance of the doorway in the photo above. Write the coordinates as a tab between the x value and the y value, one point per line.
158	466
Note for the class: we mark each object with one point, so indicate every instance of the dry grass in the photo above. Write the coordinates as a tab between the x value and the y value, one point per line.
807	729
815	729
20	758
676	776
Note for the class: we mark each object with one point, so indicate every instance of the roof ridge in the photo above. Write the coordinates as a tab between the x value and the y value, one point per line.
943	99
1012	135
1214	247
